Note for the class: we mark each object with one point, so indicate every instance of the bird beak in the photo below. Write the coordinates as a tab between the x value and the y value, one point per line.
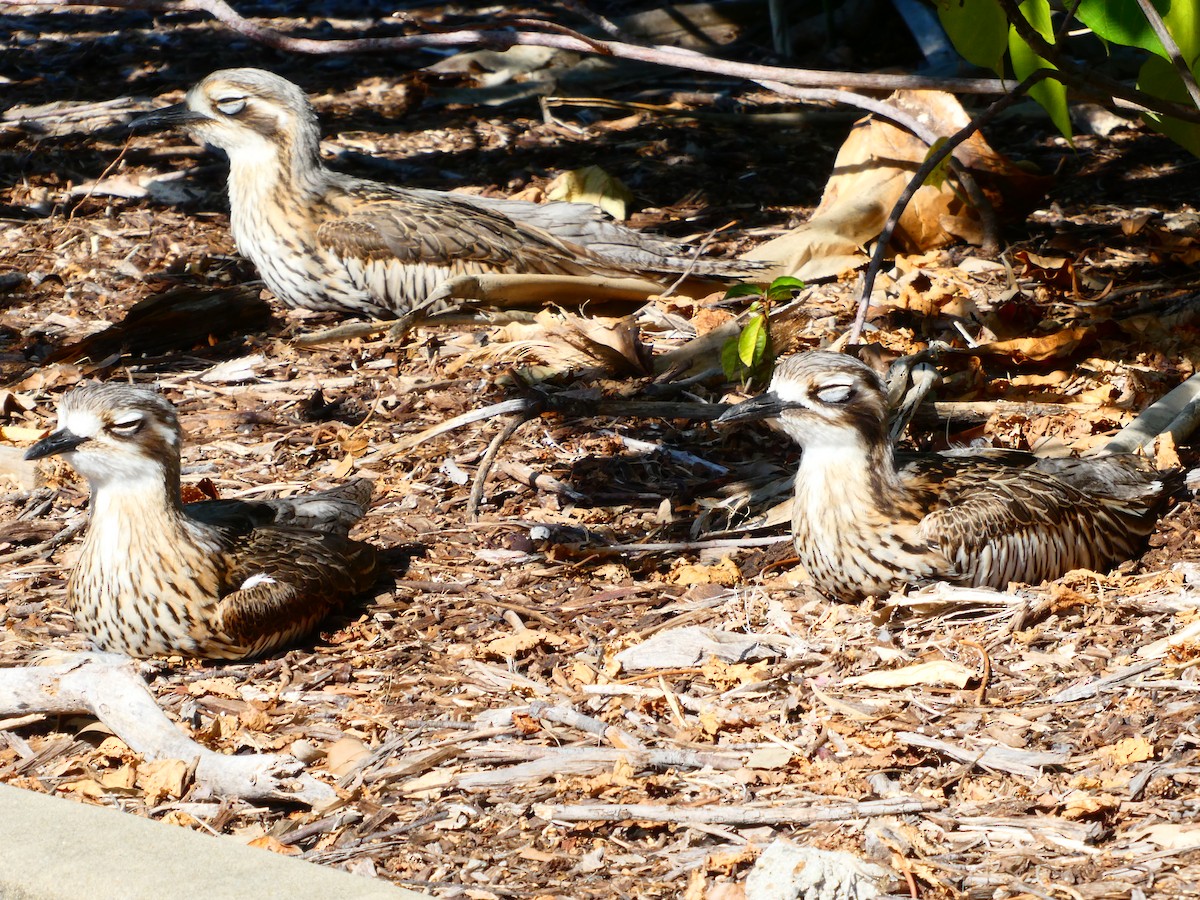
174	116
62	441
765	406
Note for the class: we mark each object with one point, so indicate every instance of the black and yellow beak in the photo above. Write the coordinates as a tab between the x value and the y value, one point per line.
765	406
62	441
177	116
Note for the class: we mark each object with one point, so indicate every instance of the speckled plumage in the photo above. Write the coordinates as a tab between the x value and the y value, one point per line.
227	579
867	522
326	241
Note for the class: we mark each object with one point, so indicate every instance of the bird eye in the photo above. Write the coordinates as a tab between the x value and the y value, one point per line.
835	393
127	427
231	106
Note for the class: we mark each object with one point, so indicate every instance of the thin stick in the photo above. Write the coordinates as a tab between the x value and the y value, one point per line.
45	547
485	464
1172	48
926	169
1088	81
501	37
823	810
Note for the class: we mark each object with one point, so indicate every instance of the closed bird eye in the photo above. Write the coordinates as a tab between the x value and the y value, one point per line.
231	106
126	427
835	393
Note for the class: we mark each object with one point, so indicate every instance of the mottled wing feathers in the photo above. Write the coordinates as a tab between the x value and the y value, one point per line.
335	510
414	230
998	523
285	580
584	224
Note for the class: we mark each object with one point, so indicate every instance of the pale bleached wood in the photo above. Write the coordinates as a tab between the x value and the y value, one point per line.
824	809
108	686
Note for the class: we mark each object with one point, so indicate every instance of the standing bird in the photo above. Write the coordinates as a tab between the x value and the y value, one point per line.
865	526
327	241
221	579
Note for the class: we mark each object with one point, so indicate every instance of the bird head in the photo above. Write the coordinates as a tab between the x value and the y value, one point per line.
821	400
115	434
245	112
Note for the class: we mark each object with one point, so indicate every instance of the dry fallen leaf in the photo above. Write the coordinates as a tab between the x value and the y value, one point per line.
724	573
1129	750
518	642
1036	349
272	843
592	184
1085	805
1169	836
873	167
164	779
344	754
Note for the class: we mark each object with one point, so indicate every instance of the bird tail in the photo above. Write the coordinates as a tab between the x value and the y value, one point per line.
333	511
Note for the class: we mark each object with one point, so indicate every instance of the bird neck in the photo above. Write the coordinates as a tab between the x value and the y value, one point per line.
150	499
273	172
848	483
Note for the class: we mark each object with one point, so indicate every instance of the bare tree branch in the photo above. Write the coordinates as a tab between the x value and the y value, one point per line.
1172	48
931	162
502	37
1088	81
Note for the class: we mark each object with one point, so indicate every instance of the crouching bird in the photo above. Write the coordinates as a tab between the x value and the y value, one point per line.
222	579
323	240
867	522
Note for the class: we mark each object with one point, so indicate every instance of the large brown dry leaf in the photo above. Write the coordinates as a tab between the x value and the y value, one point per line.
872	169
566	342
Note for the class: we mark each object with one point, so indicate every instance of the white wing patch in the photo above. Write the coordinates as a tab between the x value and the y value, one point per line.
255	580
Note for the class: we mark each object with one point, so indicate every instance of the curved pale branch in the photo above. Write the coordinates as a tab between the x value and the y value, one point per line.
108	687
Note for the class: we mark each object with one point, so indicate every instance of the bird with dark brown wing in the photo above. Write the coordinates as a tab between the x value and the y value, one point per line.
867	522
223	579
327	241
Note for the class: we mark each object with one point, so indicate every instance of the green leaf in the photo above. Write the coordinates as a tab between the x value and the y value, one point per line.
752	343
783	287
744	290
938	176
1051	94
1183	22
978	29
1158	77
1123	22
730	364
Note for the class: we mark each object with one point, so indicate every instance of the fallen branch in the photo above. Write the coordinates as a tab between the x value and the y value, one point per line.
504	36
1089	689
565	715
537	481
996	758
825	809
489	459
45	548
553	762
109	688
973	412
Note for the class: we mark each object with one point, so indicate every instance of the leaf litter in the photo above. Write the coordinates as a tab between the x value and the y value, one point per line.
519	714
